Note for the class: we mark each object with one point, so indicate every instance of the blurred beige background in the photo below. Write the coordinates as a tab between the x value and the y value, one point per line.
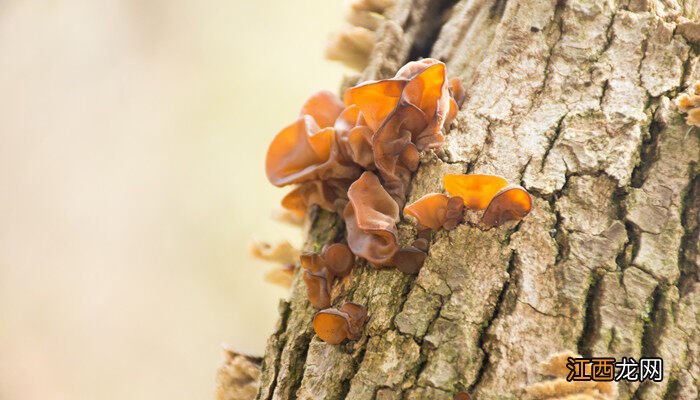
132	140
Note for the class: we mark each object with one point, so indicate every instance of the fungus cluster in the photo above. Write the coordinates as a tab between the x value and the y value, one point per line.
356	156
690	104
500	201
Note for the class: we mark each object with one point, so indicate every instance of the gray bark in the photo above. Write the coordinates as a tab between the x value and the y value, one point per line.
572	99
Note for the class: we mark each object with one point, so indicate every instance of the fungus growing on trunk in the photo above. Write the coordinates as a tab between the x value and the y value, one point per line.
512	203
355	137
428	91
339	259
330	195
357	315
436	211
409	260
317	289
376	99
370	220
312	262
335	326
303	152
331	326
476	191
321	271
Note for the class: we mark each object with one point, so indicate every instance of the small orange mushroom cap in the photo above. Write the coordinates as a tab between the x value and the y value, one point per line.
376	99
331	326
370	220
317	289
428	91
339	259
436	211
334	326
312	262
476	191
430	210
512	203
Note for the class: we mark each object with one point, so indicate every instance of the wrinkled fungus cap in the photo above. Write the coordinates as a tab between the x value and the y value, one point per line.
339	259
317	289
454	214
324	107
334	326
430	210
303	152
376	99
512	203
331	326
370	220
475	190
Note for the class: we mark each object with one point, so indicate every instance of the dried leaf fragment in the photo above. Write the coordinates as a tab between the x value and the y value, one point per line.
281	253
239	377
282	276
352	46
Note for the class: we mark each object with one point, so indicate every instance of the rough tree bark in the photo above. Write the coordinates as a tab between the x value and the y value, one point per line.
573	100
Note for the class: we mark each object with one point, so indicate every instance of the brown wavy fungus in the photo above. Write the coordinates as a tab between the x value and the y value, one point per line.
335	326
356	157
462	396
322	270
502	202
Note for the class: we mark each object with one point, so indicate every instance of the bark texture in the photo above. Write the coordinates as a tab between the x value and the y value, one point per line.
573	100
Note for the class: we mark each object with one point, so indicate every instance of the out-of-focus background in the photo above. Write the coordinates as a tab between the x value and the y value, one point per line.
132	141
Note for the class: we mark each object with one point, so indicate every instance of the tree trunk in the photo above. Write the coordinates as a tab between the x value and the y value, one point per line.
573	99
